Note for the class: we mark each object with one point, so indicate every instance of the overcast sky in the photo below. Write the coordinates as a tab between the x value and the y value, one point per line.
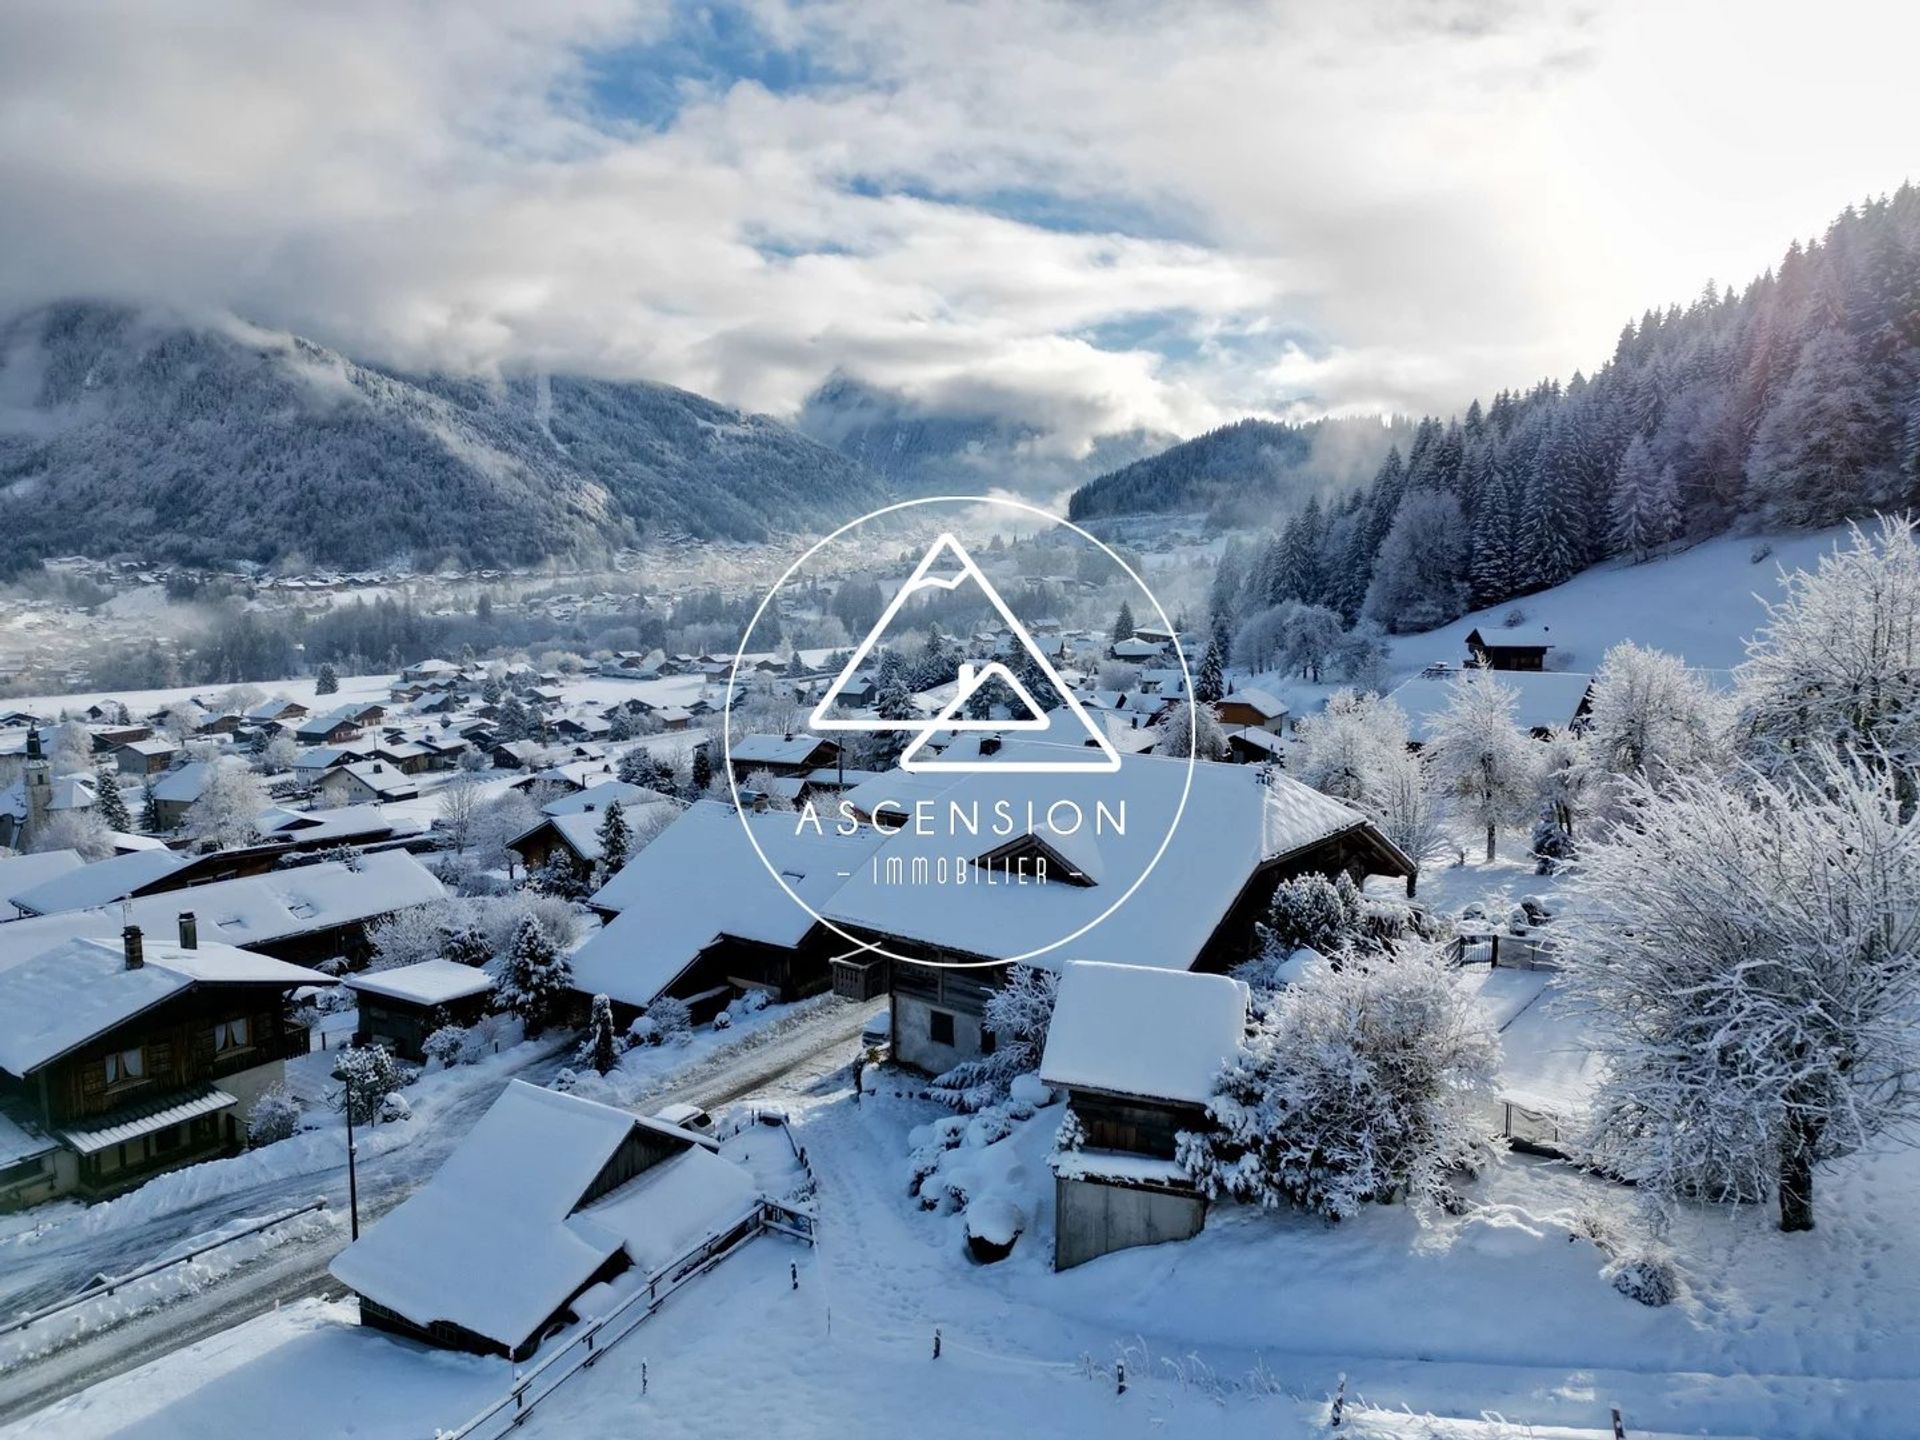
1094	216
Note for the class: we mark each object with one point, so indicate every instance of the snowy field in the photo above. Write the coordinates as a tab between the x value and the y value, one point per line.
1243	1331
1700	604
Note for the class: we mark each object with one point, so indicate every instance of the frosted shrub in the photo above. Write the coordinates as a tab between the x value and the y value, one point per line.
1017	1014
1311	912
448	1045
1363	1084
368	1076
274	1116
1649	1277
672	1021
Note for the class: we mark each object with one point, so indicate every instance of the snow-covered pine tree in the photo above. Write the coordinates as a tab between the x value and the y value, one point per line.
600	1048
1752	961
537	981
325	682
1814	454
1418	577
699	772
616	839
1494	570
1553	522
1123	626
513	722
1483	760
1209	685
109	804
149	809
1646	511
1362	1084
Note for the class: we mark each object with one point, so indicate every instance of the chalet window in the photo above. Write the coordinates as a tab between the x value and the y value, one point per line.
23	1170
231	1035
940	1027
126	1066
987	1042
166	1141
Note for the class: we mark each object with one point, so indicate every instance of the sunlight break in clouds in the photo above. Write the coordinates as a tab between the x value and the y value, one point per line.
1102	217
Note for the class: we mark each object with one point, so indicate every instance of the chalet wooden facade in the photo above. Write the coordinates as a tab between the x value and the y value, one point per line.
155	1071
1511	647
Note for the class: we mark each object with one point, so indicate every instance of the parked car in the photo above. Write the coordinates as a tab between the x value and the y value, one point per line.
687	1117
878	1031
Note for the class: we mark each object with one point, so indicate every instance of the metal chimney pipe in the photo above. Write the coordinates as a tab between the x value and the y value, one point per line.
136	948
189	931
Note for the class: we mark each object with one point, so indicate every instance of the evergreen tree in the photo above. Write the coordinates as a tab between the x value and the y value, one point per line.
513	722
1645	512
1814	453
110	805
616	839
1494	567
150	820
700	772
600	1049
1209	685
1123	626
537	980
326	682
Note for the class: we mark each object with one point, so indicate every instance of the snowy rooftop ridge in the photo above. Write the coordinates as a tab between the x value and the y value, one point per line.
497	1240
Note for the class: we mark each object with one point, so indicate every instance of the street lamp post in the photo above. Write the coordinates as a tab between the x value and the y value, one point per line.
353	1179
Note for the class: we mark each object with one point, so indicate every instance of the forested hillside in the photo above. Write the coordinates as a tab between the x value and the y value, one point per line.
120	432
1241	473
1794	402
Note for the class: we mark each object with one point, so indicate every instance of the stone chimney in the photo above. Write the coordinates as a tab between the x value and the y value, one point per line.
189	931
136	949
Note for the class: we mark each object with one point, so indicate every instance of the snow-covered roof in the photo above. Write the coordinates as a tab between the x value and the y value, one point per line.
64	997
596	798
153	746
23	872
321	723
342	823
700	879
250	911
325	757
380	777
662	1213
1262	702
1232	824
580	831
430	982
101	883
183	785
1136	1030
1523	637
1548	699
496	1242
748	750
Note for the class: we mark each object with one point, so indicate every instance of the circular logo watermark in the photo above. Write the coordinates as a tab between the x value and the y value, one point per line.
961	779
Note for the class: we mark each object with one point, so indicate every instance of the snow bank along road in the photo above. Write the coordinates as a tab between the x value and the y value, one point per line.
784	1058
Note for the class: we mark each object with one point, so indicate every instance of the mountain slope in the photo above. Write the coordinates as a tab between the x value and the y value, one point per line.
123	432
1242	473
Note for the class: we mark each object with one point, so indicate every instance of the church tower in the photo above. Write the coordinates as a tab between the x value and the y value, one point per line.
39	782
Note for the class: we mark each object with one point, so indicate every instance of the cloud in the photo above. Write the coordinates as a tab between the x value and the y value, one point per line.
1095	218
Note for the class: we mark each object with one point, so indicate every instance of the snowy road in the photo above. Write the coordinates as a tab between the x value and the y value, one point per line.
788	1057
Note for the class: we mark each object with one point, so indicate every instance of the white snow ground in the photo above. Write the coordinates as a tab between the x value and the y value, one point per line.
1240	1332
